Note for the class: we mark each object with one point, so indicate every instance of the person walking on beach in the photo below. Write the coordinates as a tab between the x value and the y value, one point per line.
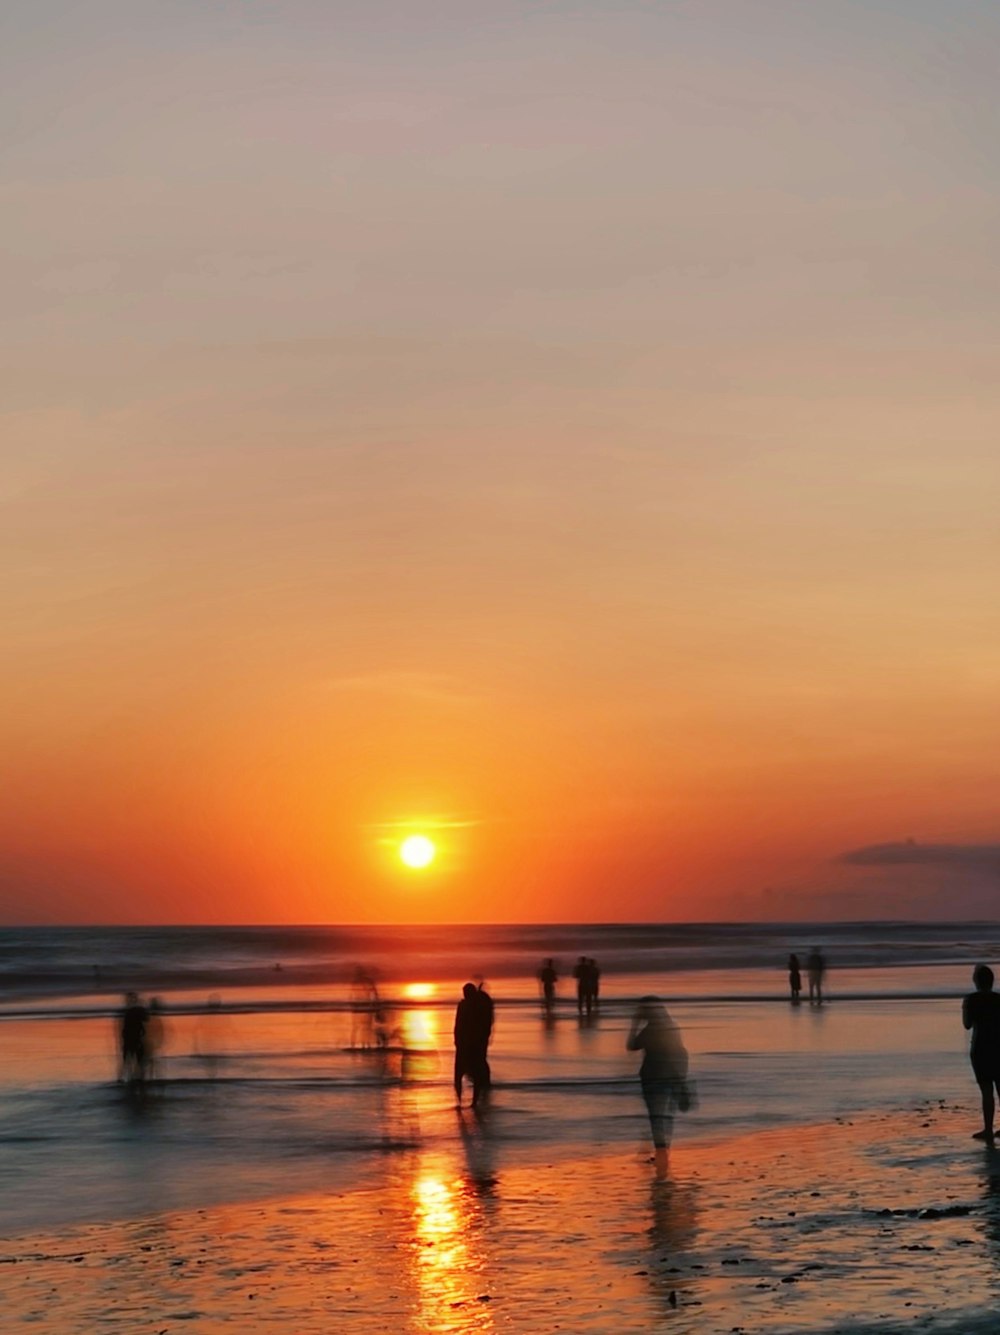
981	1014
663	1073
547	978
794	979
473	1023
816	968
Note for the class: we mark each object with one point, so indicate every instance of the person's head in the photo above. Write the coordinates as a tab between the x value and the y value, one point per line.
982	977
650	1009
469	991
131	999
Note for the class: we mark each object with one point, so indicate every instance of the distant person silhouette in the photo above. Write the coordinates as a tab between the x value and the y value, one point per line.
816	969
981	1014
794	978
663	1073
580	974
587	975
156	1036
594	982
473	1023
548	978
487	1014
132	1041
364	1006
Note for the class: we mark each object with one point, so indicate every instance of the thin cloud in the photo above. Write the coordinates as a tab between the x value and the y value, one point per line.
908	853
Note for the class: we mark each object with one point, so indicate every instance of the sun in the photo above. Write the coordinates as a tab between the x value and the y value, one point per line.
417	851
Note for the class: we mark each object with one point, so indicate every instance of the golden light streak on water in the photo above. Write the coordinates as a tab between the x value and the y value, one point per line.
447	1251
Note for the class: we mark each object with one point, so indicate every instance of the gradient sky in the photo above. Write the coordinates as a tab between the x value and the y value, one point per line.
572	432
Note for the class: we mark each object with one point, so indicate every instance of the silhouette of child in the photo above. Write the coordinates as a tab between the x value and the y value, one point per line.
981	1014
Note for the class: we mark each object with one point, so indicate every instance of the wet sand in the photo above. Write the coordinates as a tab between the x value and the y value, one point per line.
887	1222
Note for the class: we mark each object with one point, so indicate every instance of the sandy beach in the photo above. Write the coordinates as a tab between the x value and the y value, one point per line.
887	1222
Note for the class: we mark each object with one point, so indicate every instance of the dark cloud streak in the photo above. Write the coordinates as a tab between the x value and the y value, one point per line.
961	857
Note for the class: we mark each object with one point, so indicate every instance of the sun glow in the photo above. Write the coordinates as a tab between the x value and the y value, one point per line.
419	991
417	851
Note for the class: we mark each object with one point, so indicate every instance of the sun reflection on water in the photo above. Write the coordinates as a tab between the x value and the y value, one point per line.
447	1251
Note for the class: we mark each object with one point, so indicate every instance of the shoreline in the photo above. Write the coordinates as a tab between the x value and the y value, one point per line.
884	1222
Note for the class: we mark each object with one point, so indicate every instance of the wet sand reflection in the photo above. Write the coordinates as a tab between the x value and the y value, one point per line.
447	1250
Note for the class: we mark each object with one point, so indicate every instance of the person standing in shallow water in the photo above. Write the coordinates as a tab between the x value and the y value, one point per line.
794	979
981	1014
473	1024
816	968
663	1073
132	1041
547	978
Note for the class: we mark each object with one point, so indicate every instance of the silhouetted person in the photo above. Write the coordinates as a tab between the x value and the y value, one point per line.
486	1016
364	1007
588	981
548	978
816	969
156	1035
581	972
981	1014
794	978
473	1023
663	1073
132	1040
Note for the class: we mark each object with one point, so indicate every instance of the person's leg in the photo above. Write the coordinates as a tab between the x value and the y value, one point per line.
480	1079
459	1072
986	1091
661	1121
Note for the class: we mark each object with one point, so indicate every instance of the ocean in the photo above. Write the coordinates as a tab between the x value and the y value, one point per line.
264	1085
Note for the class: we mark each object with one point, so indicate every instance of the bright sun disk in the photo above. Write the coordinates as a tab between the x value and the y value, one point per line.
417	851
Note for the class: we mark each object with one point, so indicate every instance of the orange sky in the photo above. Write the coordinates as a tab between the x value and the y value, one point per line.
573	433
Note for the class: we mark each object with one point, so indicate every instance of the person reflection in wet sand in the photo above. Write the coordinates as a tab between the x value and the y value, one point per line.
473	1025
981	1014
663	1073
132	1042
991	1202
477	1145
672	1232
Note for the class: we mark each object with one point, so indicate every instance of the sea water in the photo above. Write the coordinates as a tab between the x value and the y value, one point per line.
276	1085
